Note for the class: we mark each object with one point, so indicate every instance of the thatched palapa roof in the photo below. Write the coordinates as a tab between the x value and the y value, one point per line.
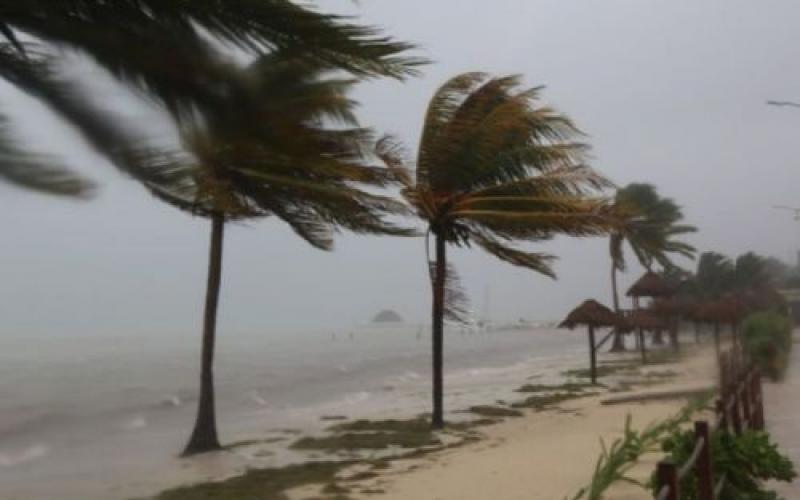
727	311
651	285
671	307
590	313
645	320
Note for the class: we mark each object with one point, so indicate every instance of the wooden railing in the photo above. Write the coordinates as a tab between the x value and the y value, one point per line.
740	407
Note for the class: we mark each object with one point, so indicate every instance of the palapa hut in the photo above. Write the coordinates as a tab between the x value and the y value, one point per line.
641	320
672	310
594	315
654	286
727	311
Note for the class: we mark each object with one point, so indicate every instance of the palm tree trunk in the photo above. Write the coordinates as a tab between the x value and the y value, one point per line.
674	338
642	346
204	436
592	355
618	344
440	275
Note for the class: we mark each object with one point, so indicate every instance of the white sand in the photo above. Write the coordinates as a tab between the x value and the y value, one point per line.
548	455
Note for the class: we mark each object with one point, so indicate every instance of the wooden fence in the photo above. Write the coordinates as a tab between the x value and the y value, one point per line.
740	407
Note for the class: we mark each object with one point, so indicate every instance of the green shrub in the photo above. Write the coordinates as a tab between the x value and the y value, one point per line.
767	339
746	461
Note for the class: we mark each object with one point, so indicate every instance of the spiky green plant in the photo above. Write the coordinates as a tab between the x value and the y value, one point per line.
494	166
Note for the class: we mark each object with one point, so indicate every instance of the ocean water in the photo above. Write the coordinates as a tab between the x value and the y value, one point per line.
89	416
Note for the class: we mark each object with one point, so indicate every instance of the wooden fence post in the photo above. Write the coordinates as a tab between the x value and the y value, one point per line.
704	468
667	475
724	372
722	413
758	393
747	412
736	417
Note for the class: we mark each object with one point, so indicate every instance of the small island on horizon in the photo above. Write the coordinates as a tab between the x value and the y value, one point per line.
387	316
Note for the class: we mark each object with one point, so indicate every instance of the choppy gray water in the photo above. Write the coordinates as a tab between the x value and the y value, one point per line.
81	407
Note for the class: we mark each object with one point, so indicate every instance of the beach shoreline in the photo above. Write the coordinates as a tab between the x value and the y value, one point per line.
548	452
544	455
557	433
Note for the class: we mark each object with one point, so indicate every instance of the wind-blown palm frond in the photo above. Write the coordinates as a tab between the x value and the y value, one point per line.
456	300
280	156
540	262
102	130
494	167
178	53
24	169
650	224
257	26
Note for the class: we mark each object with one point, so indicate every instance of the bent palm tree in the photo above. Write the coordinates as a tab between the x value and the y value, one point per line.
493	166
278	155
751	272
650	225
715	276
173	53
167	50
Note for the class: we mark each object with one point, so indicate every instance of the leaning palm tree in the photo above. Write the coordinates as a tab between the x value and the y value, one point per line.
175	53
167	50
295	152
651	226
494	166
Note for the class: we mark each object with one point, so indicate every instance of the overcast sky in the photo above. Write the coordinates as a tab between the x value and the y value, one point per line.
669	92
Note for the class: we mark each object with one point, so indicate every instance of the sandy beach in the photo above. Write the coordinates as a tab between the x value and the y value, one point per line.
545	452
543	455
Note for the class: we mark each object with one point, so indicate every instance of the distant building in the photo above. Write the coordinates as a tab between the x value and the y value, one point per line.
387	316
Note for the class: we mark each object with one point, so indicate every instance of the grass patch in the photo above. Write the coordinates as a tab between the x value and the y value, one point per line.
328	418
253	442
259	484
603	370
494	411
566	387
335	489
413	425
414	436
352	441
362	476
665	374
472	424
549	401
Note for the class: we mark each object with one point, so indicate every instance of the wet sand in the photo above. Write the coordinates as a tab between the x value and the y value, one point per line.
545	455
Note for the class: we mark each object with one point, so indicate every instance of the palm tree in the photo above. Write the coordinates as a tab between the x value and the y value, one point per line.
169	51
294	151
715	276
751	272
174	53
493	166
650	225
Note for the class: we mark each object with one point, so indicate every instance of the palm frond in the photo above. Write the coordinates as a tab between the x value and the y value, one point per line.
494	166
39	173
101	129
538	262
257	26
456	300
